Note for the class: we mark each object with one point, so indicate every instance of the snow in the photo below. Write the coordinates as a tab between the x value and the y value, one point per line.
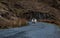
37	30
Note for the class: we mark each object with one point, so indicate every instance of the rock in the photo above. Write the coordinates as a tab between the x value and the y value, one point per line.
17	8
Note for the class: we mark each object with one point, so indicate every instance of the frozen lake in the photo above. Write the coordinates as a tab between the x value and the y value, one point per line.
37	30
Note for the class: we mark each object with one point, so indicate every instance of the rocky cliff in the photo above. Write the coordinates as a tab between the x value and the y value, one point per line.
27	9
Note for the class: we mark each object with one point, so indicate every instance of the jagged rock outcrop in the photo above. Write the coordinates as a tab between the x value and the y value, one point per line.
17	9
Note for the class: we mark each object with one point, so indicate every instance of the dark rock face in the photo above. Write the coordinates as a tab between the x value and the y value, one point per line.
38	15
28	9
